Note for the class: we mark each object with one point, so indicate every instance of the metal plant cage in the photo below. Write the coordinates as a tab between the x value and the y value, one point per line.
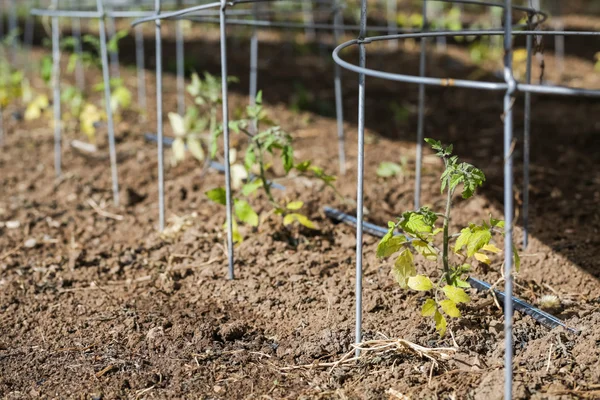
252	13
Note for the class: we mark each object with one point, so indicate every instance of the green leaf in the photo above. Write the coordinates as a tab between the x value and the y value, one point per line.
477	240
449	307
390	244
516	258
404	268
425	249
415	223
388	169
302	219
287	156
178	148
421	283
456	294
249	157
195	147
440	323
251	187
462	284
429	308
294	205
496	223
245	213
218	195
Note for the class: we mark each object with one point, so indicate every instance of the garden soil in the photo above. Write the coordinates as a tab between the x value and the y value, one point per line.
96	304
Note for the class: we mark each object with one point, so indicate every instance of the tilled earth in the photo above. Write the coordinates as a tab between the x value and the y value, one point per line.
97	305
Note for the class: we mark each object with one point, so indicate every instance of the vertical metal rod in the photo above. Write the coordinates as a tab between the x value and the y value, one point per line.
29	32
180	67
392	14
307	10
362	57
109	111
79	71
13	27
223	32
253	90
56	93
527	145
508	198
140	60
114	55
339	102
421	116
159	121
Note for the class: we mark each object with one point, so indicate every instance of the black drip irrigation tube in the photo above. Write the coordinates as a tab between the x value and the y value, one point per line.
545	319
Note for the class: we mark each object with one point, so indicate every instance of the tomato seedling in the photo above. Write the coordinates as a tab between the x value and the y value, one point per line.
472	243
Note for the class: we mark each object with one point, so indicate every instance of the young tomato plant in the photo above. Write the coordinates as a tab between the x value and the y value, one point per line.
187	130
207	95
472	243
264	146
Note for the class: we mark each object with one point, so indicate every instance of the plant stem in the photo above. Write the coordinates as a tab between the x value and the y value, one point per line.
446	226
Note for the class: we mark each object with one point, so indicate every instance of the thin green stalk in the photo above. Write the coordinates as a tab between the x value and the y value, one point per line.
446	227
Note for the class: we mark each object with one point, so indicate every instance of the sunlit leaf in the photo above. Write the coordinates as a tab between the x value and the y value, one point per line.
482	258
491	248
404	268
420	282
177	124
195	147
440	323
449	307
251	187
390	244
477	240
456	294
245	213
302	219
429	308
388	169
294	205
178	148
425	249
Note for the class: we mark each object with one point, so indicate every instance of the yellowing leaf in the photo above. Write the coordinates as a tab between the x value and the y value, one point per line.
482	258
404	268
177	124
425	249
238	175
449	307
302	219
294	205
491	248
390	244
477	240
178	148
195	147
455	294
462	240
440	323
429	308
420	282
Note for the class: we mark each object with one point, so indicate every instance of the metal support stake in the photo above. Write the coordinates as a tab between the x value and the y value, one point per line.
159	121
421	116
527	144
392	13
361	166
228	203
508	198
79	71
180	66
141	68
109	112
339	102
56	93
253	90
114	55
